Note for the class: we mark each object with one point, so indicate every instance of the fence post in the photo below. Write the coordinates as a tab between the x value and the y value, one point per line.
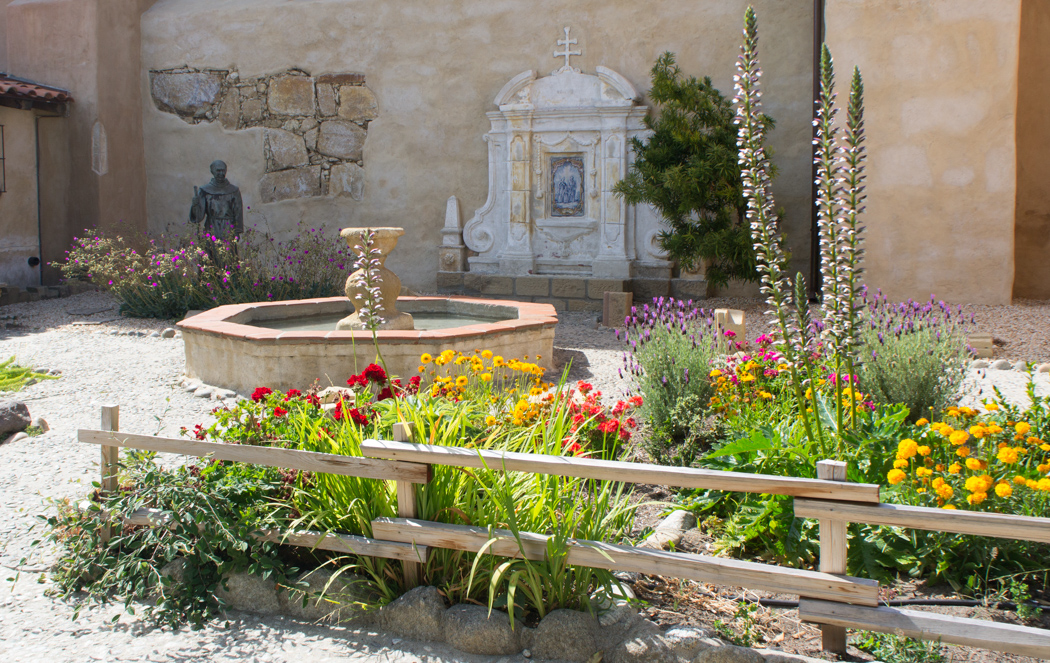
406	504
110	463
832	553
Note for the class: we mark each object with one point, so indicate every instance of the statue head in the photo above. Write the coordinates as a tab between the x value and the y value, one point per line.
218	171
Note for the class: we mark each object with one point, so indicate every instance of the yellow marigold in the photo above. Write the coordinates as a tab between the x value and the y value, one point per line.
962	452
978	431
976	498
498	361
953	411
1020	480
923	472
1042	468
461	381
968	411
946	430
1043	484
422	369
426	358
900	463
924	450
1007	455
994	428
922	422
945	492
487	354
973	464
486	377
907	448
1023	427
895	477
958	437
938	482
940	467
490	420
954	468
1034	440
1045	447
991	407
1032	484
1004	489
951	507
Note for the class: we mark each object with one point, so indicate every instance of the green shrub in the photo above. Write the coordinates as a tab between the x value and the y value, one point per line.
688	171
165	277
14	377
912	353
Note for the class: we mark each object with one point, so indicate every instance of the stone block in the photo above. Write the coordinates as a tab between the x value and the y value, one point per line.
568	287
452	259
9	296
230	111
291	95
418	614
342	79
532	286
596	288
326	102
450	281
253	110
615	307
473	629
566	634
357	103
347	179
292	183
982	343
186	93
584	305
731	320
284	150
341	139
488	284
688	289
647	289
558	304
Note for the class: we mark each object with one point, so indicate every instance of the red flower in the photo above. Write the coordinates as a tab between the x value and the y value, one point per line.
413	385
571	446
292	393
620	408
584	387
636	401
384	394
279	411
357	417
375	373
608	426
313	399
261	393
356	380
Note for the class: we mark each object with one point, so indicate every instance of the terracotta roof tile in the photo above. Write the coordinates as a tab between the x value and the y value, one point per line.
19	89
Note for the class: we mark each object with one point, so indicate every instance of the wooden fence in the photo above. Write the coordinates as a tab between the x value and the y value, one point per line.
828	597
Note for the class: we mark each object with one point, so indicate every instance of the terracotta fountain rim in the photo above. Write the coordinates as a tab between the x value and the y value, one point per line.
216	322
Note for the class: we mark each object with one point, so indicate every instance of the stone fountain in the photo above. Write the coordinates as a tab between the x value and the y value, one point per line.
290	344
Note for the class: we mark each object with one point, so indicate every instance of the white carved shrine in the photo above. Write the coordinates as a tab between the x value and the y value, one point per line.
557	146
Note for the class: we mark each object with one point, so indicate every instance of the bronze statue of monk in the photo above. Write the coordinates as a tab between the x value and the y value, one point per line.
218	205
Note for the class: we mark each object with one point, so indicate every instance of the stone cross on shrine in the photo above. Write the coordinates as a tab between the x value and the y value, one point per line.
566	53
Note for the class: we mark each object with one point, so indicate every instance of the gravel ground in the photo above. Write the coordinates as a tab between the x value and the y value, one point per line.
107	359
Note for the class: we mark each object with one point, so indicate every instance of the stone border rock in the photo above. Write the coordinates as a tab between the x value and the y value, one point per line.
620	632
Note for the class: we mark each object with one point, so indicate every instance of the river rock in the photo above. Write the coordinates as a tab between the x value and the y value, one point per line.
168	333
566	634
14	417
418	614
1043	368
688	641
979	364
471	628
250	593
1001	365
644	643
729	654
321	595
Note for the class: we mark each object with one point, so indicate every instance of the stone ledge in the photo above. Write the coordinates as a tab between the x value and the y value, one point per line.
33	293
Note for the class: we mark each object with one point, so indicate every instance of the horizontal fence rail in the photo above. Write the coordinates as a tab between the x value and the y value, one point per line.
309	461
831	599
998	525
1009	638
612	470
599	555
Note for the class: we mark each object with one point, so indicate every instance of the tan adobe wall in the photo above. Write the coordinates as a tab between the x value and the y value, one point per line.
18	231
1032	251
434	69
941	84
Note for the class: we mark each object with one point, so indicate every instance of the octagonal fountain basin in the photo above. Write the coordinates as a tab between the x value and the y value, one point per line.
289	345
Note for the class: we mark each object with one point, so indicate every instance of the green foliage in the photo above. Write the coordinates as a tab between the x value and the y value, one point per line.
166	276
14	377
211	513
745	616
898	649
688	171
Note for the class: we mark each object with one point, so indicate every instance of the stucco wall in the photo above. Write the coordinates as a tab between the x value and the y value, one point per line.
89	47
18	231
435	68
1032	252
941	87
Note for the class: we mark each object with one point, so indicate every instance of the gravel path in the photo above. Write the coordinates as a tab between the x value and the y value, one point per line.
106	359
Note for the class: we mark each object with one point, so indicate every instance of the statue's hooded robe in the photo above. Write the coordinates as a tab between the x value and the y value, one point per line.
219	206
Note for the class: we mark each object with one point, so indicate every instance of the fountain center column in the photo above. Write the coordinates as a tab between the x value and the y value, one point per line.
389	284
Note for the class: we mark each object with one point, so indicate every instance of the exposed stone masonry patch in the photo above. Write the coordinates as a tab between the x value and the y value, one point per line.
315	126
